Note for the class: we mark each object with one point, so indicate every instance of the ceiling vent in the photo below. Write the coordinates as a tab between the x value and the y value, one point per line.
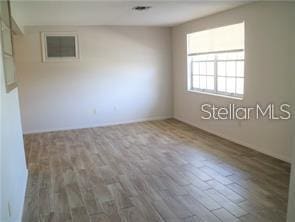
141	8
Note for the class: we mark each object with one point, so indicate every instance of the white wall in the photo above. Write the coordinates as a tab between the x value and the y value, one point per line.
124	75
268	75
13	166
291	200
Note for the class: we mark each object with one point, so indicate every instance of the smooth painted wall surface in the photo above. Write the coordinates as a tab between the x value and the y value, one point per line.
291	200
268	75
124	75
13	165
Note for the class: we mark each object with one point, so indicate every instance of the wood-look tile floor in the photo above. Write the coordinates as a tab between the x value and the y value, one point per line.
151	171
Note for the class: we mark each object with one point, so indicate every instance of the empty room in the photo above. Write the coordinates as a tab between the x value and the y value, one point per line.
147	111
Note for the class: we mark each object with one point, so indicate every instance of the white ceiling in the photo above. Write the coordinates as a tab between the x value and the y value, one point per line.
162	13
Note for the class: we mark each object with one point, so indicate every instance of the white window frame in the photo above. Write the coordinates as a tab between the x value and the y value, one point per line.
215	91
45	58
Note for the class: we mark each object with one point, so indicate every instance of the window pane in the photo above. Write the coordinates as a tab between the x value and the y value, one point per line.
240	86
232	55
61	46
240	55
210	68
230	85
222	56
221	84
195	68
203	82
200	57
230	69
68	48
53	46
196	82
240	69
203	68
221	68
210	82
210	56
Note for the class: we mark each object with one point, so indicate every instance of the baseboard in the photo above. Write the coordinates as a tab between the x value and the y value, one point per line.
97	125
250	146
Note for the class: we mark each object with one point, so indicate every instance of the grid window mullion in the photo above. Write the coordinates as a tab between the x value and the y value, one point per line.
192	72
215	73
235	78
226	78
206	74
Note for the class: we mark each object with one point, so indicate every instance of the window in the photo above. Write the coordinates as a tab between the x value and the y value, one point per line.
60	46
216	61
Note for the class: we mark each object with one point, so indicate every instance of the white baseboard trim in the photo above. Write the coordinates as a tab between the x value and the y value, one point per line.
250	146
97	125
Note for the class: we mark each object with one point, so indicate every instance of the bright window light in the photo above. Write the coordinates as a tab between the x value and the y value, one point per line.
216	60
